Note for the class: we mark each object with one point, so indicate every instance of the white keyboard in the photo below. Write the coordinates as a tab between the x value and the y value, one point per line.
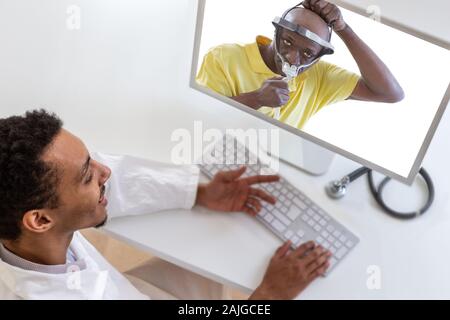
294	217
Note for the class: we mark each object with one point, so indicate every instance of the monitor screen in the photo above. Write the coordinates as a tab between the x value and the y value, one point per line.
372	93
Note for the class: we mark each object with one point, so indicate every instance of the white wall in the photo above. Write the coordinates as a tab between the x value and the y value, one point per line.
114	80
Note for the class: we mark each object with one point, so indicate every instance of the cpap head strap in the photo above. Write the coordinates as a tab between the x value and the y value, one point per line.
283	23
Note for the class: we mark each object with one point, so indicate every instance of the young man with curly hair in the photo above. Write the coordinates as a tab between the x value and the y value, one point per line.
51	187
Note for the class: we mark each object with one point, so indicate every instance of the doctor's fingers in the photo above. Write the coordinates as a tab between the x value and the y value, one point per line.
303	249
314	255
231	175
319	272
250	210
319	266
254	203
283	250
258	193
261	179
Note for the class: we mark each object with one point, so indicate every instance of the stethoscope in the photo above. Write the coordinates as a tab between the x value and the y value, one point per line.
338	189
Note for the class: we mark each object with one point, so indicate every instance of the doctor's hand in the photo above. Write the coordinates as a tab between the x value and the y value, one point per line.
328	12
228	192
290	272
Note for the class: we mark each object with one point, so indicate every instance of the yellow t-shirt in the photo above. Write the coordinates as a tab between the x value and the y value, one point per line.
233	69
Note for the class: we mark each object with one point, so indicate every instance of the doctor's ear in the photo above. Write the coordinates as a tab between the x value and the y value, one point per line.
37	221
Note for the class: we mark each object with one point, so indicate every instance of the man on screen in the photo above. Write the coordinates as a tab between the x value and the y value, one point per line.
288	73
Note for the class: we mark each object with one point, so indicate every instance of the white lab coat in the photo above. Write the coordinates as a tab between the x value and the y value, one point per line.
137	186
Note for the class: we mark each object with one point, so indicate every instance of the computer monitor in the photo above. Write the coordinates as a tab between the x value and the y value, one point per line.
391	136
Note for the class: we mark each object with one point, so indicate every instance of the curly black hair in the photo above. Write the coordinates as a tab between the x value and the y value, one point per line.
26	181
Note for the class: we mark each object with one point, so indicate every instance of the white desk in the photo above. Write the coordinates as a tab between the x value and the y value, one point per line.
120	95
235	249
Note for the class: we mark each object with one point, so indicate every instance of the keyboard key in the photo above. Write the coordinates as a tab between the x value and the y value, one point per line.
268	218
349	244
289	234
311	222
332	250
284	210
343	239
325	234
333	262
322	222
295	240
300	233
293	213
338	244
317	228
310	212
278	225
281	217
320	240
341	253
266	171
330	229
317	218
326	245
305	217
300	203
337	234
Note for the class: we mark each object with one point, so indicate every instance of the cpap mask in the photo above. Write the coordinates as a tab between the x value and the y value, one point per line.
292	71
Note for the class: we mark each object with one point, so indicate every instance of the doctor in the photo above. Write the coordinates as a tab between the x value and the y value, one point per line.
51	187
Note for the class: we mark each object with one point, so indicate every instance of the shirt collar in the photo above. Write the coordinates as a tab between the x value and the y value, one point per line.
254	56
18	262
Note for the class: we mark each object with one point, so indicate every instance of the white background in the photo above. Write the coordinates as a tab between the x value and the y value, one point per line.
389	135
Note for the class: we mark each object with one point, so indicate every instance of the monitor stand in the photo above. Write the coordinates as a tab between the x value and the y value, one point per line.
303	154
